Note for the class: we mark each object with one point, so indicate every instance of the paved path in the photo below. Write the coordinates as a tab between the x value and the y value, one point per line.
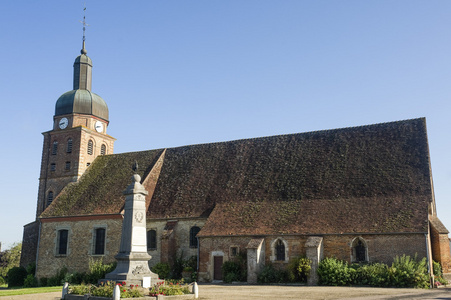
254	292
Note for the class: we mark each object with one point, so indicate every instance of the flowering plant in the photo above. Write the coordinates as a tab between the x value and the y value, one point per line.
170	288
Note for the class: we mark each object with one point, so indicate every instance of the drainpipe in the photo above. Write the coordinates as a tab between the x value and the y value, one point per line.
431	276
198	258
37	248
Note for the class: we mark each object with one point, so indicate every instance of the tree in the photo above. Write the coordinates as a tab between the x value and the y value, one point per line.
9	259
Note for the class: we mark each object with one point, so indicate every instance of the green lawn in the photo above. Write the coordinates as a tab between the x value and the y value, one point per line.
23	291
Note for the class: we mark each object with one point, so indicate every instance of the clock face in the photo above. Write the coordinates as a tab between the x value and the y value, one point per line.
63	123
98	126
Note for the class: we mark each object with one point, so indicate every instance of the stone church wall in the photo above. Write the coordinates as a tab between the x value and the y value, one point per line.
217	246
180	236
81	237
29	244
379	248
441	249
80	245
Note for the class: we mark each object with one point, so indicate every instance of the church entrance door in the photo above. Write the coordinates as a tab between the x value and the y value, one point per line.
217	265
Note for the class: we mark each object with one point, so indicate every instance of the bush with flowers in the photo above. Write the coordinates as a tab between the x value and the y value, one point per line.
170	288
105	289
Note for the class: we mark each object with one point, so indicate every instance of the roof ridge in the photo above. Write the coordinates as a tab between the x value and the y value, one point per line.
301	133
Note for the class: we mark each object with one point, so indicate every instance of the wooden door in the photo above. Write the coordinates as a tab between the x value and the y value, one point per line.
217	265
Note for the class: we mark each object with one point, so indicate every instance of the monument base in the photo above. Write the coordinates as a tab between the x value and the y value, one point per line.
133	269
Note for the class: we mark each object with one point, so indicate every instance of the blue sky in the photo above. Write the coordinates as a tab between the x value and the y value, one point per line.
186	72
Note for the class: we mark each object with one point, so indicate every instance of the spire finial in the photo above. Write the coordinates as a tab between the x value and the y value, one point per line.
83	49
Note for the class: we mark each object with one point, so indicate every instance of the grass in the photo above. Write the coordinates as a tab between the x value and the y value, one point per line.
4	291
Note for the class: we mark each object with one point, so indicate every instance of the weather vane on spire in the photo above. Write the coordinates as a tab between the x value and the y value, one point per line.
83	50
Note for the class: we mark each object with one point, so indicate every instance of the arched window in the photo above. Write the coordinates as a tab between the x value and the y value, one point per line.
90	147
49	198
55	148
103	149
69	146
192	236
99	241
62	241
359	250
152	239
280	251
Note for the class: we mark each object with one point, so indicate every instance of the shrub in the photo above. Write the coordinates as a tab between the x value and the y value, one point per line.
97	270
170	288
191	263
437	267
58	278
235	269
231	271
370	274
2	280
103	290
162	269
31	269
407	272
75	278
269	274
82	289
30	281
299	268
43	281
16	276
177	267
335	272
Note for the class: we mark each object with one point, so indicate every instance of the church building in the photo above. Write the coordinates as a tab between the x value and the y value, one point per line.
361	194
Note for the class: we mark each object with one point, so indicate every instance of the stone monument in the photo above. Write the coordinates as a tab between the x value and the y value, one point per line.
132	259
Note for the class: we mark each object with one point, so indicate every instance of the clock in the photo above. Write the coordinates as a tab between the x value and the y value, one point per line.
63	123
98	126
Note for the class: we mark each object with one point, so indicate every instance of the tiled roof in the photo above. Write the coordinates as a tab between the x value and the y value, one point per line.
438	225
373	178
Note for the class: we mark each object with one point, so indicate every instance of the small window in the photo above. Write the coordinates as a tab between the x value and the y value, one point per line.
280	251
49	198
62	242
67	165
192	236
90	147
88	164
233	251
53	167
55	148
103	149
152	240
359	250
99	241
69	146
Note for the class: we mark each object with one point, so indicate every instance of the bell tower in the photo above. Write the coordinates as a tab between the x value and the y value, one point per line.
78	136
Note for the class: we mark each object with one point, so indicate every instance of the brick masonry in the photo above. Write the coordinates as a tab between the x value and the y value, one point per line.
380	248
81	242
441	249
81	130
80	245
29	244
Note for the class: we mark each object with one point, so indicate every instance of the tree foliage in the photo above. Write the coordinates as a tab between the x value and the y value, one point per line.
9	259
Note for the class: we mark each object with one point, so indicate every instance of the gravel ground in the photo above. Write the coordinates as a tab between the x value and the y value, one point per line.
246	292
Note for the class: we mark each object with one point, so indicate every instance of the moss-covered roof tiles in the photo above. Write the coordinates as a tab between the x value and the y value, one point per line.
373	178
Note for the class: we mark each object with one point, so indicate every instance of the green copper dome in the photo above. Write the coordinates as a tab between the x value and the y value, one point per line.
82	102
